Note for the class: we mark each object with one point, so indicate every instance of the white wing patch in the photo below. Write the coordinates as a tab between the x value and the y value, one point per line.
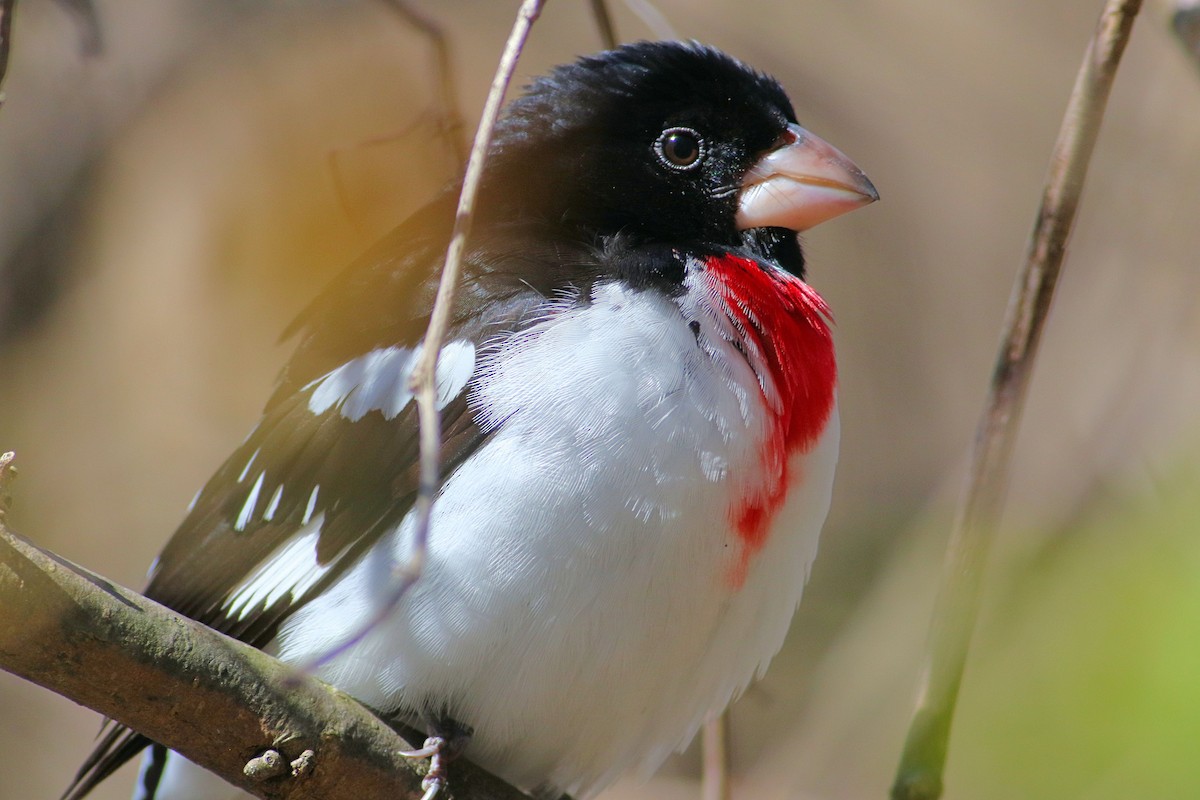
245	469
378	381
292	569
456	363
247	511
312	503
273	504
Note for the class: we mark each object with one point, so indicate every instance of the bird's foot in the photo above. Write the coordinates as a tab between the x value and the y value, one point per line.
440	750
435	779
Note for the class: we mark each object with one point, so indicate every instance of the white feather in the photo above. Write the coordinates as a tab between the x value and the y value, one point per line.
312	504
273	504
245	469
378	381
243	517
292	569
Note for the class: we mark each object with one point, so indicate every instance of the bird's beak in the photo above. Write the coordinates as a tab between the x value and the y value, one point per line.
799	183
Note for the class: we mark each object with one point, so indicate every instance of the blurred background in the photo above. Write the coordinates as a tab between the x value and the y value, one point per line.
177	179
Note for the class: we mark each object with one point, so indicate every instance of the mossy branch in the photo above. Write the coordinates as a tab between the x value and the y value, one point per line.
217	701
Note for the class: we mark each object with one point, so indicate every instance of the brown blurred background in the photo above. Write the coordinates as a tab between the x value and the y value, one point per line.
169	198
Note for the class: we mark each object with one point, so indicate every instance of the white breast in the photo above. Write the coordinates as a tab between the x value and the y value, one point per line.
576	608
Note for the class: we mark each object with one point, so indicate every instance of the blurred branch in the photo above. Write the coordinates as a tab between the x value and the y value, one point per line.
922	764
1186	23
84	12
6	13
221	703
422	380
714	784
451	111
83	9
604	23
652	18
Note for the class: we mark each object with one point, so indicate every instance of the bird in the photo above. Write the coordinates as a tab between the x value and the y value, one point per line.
639	433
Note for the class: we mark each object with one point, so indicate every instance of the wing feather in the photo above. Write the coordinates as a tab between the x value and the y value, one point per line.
317	483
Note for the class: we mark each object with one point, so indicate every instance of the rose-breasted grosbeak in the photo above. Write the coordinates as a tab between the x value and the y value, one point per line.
638	445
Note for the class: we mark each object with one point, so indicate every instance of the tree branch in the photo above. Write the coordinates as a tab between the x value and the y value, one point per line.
217	701
919	776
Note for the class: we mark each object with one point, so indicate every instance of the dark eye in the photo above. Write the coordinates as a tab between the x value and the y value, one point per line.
679	148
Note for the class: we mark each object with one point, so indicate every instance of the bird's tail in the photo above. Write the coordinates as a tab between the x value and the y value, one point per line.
117	745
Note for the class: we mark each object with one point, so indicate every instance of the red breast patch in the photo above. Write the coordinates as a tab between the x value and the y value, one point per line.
788	323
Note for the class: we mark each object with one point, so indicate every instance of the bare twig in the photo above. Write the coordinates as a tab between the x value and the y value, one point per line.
423	374
604	23
220	702
422	380
714	783
919	776
452	126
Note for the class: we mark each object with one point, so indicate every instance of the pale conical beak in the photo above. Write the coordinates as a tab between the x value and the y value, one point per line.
801	183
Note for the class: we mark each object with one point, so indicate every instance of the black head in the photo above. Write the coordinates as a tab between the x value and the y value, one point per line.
650	140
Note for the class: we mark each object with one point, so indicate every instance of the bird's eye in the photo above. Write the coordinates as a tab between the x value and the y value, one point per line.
679	148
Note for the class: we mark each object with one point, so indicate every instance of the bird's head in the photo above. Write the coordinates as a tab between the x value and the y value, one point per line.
667	142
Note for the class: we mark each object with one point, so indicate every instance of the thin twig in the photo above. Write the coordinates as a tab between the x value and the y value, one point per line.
714	741
452	126
423	374
604	23
422	381
919	776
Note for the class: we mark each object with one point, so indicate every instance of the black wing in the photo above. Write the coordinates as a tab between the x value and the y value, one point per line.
348	482
341	473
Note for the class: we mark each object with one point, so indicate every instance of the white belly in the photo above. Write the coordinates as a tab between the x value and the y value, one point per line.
579	608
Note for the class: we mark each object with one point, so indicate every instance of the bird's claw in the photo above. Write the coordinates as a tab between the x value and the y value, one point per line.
435	779
433	745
